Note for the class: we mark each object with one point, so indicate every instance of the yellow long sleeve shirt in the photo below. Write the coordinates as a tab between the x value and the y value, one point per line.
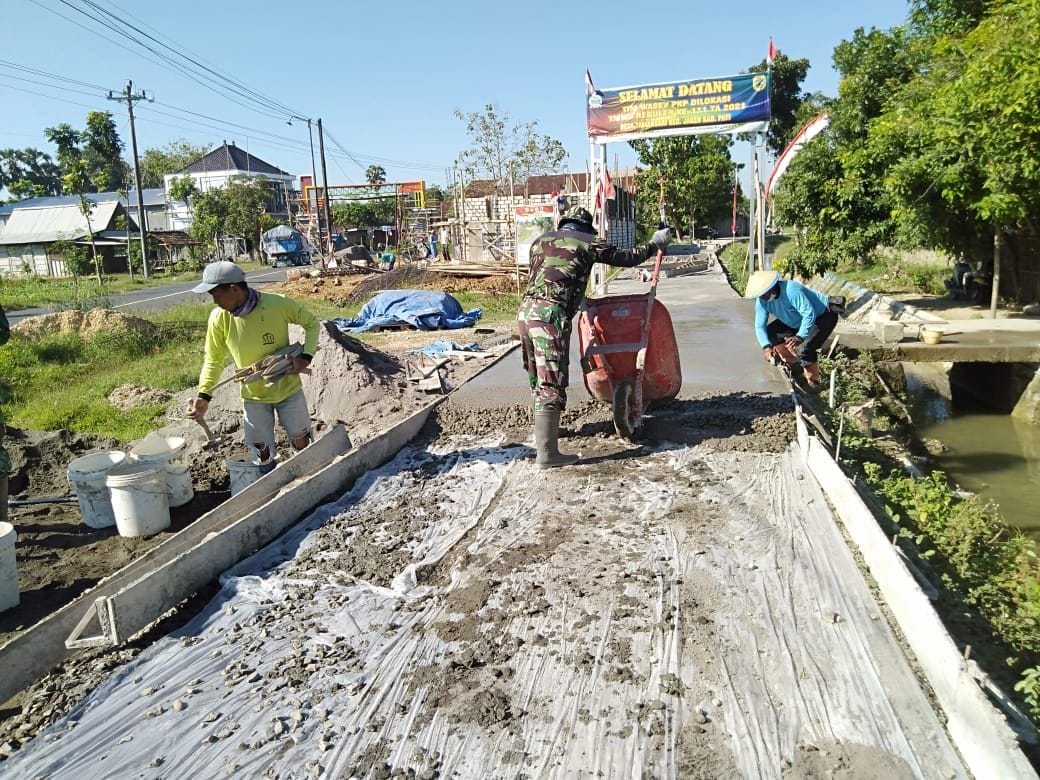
252	337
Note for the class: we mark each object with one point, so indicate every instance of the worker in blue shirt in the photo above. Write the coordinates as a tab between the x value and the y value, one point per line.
802	319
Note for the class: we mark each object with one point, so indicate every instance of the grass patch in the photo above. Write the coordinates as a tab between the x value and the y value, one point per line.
986	572
889	272
62	381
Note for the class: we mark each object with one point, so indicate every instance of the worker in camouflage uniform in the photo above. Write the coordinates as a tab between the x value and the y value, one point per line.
561	261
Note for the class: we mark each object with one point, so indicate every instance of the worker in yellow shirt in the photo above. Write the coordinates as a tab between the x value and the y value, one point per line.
249	325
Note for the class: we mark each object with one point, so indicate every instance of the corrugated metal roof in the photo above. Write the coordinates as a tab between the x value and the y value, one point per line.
153	196
43	225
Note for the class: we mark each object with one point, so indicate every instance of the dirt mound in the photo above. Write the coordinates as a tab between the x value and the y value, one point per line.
127	397
86	323
348	289
39	459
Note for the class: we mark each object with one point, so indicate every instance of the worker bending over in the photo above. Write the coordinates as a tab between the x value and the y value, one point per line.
249	325
561	261
802	319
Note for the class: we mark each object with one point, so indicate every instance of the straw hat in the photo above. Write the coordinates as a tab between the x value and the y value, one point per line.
761	282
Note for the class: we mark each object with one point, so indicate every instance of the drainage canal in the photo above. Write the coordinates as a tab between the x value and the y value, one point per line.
989	447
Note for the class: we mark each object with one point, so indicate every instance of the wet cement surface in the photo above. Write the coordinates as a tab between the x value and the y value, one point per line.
714	331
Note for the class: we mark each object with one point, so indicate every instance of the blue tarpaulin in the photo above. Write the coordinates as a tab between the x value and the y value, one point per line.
422	309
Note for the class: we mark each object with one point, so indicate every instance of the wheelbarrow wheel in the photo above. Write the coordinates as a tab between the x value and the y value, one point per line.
624	416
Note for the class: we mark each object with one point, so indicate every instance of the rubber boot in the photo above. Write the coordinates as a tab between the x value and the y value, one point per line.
546	439
267	467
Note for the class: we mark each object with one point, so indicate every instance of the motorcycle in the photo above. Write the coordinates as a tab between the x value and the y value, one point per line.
969	283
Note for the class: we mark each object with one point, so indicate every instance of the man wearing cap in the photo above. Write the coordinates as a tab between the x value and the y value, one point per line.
802	319
561	261
249	325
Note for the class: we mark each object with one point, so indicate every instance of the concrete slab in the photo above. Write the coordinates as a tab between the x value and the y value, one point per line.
713	330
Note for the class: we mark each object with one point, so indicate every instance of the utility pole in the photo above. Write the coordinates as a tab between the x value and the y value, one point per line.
325	187
142	219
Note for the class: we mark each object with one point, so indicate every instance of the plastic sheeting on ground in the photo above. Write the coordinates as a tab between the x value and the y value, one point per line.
422	309
700	616
436	349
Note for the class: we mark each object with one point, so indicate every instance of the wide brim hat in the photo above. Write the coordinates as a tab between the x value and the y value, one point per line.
761	282
216	274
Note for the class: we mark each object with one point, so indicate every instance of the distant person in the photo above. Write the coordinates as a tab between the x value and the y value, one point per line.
445	252
387	260
802	319
561	261
249	325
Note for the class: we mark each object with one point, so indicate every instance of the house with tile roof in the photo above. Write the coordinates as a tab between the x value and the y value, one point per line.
215	169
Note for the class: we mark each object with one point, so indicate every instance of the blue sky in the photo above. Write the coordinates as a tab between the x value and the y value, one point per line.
386	76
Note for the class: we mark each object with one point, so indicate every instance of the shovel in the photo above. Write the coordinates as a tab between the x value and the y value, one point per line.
212	441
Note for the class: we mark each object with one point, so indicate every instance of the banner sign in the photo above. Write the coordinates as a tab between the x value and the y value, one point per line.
736	104
531	222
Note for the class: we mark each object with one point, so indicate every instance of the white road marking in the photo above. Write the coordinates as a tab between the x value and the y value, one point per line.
170	295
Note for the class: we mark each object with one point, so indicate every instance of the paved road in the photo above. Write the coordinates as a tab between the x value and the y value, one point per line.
155	299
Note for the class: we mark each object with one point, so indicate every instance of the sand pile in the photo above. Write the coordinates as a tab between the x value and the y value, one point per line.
352	383
131	396
87	323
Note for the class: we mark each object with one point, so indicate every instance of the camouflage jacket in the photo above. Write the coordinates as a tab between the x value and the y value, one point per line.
561	261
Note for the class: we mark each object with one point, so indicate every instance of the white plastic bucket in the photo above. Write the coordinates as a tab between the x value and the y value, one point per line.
87	475
243	473
139	501
8	568
178	485
167	451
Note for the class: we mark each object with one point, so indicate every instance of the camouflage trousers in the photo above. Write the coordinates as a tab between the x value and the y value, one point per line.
545	339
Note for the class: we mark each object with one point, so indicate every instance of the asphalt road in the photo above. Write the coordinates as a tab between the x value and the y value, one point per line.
155	299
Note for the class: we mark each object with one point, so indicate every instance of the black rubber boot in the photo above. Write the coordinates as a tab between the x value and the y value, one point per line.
546	438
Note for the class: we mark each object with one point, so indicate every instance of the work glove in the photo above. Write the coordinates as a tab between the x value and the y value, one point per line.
793	342
767	353
662	238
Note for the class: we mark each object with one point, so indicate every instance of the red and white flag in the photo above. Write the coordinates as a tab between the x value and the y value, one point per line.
604	189
772	51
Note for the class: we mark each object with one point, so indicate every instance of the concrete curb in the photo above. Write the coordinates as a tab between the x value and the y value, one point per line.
980	732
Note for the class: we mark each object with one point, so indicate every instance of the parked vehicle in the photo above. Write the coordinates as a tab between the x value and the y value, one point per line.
969	283
284	245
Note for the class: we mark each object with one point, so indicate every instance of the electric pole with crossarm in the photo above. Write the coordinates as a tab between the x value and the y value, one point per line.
130	98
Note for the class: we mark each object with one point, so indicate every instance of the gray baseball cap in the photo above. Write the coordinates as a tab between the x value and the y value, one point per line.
215	274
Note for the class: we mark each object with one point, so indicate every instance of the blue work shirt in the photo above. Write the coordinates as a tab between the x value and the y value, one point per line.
797	307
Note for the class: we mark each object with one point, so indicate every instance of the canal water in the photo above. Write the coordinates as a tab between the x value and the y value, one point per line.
993	455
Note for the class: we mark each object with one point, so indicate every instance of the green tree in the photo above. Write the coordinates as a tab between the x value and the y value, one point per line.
174	157
785	98
74	256
697	172
499	146
375	174
77	181
67	140
236	210
28	173
102	151
834	191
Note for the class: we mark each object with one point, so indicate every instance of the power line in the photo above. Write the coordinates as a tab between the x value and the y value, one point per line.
196	71
45	84
183	70
50	97
45	74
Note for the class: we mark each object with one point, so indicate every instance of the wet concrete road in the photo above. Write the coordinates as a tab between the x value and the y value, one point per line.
713	330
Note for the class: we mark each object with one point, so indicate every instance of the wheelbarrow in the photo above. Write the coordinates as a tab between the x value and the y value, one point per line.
629	357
